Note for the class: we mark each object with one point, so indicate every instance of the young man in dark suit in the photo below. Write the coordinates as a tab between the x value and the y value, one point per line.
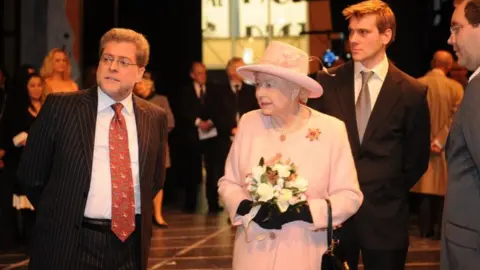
388	124
93	162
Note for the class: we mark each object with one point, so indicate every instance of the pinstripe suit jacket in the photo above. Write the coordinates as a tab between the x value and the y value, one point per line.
56	165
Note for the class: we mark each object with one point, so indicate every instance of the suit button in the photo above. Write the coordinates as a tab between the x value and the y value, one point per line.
272	235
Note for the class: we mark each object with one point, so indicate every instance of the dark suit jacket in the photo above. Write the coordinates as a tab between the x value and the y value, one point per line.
221	107
461	222
56	166
393	155
187	110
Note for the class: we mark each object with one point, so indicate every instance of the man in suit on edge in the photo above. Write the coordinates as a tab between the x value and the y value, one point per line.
460	248
94	160
388	123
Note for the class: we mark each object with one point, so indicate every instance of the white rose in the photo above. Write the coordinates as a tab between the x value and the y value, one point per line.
283	199
282	170
265	191
257	173
280	182
300	183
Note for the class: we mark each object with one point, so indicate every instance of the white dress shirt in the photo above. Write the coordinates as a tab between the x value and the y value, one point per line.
99	201
232	86
376	81
199	88
474	74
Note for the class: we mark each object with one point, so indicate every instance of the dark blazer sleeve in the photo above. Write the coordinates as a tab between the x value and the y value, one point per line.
417	140
470	127
187	109
219	109
36	161
159	176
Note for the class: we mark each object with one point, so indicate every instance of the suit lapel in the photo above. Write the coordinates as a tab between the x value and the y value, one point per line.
346	97
142	120
87	120
387	98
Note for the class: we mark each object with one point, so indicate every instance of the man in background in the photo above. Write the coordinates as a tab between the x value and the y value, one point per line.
444	96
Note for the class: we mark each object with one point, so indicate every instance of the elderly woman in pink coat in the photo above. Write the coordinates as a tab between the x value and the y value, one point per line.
315	142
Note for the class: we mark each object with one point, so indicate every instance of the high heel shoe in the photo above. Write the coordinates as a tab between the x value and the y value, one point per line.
160	225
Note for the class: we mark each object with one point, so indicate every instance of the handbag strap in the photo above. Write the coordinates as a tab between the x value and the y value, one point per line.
329	227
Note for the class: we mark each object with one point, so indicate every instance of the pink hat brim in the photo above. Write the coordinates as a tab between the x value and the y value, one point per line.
314	88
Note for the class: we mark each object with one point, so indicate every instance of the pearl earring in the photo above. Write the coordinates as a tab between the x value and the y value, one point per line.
295	93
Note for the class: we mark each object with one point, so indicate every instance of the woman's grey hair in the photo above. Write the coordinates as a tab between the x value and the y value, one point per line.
298	92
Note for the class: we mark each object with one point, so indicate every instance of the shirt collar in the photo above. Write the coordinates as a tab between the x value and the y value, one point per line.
380	70
197	86
105	101
474	74
438	71
232	84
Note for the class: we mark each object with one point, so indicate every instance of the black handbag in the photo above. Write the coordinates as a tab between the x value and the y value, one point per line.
329	260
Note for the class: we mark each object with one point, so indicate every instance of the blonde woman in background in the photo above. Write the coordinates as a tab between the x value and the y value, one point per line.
57	72
146	90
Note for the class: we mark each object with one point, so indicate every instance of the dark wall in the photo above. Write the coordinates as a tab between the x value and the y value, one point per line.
417	37
173	30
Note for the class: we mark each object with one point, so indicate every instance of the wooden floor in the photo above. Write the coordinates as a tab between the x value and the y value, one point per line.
199	241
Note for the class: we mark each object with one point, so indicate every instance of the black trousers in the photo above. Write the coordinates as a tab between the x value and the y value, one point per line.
430	214
214	171
100	248
8	217
192	173
350	248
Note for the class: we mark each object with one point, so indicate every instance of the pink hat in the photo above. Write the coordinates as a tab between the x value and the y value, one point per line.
287	62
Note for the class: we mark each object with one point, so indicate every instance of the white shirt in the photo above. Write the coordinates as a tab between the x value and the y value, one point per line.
232	86
376	81
198	89
474	74
99	201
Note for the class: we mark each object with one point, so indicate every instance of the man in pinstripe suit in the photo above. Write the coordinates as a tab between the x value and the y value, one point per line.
94	160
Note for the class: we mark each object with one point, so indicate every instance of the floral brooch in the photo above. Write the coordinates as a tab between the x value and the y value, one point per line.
313	134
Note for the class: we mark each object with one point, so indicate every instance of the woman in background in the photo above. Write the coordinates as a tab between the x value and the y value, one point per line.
57	72
22	110
146	90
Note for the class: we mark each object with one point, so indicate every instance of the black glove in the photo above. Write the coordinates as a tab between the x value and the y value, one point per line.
244	207
293	213
267	217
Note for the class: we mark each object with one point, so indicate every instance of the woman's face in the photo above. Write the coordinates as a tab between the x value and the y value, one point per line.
35	88
274	95
59	62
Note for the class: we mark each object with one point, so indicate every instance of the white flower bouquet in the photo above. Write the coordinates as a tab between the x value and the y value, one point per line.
278	184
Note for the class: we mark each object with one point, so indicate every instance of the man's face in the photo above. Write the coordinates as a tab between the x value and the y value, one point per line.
465	39
199	74
232	70
366	42
118	71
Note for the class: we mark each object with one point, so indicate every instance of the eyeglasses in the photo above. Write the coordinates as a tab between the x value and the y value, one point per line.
122	62
455	29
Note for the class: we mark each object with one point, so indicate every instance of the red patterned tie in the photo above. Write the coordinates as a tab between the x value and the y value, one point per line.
123	203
